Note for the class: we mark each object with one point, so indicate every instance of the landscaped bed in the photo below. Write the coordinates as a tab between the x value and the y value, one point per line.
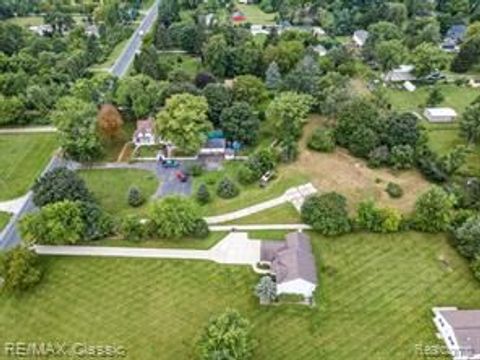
23	158
374	301
110	187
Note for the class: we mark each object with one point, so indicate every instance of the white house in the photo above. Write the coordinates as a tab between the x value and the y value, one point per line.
460	330
440	115
360	37
475	83
401	74
215	146
292	263
319	50
41	30
259	30
145	133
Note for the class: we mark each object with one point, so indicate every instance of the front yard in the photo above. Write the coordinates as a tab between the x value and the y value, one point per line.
374	302
4	219
110	187
23	158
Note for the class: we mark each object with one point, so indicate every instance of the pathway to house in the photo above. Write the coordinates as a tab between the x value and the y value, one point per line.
254	227
295	195
14	206
29	130
235	248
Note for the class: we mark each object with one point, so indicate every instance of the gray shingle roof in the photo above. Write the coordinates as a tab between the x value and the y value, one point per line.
466	326
291	259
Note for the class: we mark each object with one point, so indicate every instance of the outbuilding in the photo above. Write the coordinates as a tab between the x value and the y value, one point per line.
440	115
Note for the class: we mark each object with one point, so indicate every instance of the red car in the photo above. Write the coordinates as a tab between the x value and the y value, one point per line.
181	176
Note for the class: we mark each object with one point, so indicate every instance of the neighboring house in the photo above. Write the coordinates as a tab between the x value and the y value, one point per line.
454	38
319	50
360	37
292	263
460	330
215	146
92	30
41	30
401	74
440	115
259	30
238	16
409	86
145	133
475	83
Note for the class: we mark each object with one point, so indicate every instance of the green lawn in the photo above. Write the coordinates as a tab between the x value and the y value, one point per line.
255	15
374	302
26	21
190	64
110	187
249	195
456	97
282	214
4	219
110	60
22	158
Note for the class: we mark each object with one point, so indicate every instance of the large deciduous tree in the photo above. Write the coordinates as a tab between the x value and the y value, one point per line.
218	98
427	58
239	122
109	121
467	237
433	210
216	55
390	54
249	89
470	122
184	121
20	269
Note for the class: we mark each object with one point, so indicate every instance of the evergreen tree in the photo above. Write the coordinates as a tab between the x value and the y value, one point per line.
273	78
435	97
203	195
135	197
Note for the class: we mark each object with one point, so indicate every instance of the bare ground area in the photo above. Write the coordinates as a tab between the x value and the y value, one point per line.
350	176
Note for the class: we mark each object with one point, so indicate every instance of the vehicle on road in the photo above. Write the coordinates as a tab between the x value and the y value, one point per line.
169	163
181	176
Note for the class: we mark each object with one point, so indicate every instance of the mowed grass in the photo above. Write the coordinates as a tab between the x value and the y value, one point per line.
22	158
26	21
255	15
456	97
374	302
4	219
250	194
282	214
110	187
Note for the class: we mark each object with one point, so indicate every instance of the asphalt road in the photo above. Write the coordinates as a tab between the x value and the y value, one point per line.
121	65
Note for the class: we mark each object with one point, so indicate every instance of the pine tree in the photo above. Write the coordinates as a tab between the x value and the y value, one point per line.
273	78
203	195
135	197
435	97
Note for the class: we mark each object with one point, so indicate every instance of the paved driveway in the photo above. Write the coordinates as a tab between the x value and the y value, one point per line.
170	183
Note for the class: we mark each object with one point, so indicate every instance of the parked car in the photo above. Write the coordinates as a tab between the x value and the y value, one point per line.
182	176
169	163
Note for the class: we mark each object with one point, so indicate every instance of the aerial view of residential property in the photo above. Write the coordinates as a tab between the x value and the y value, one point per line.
240	179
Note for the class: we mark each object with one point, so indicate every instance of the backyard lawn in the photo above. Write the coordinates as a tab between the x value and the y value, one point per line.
4	218
249	195
255	15
282	214
110	187
23	158
26	21
374	302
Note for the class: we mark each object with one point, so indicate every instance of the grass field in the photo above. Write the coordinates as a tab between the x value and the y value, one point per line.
26	21
4	218
374	302
249	195
110	187
282	214
187	63
255	15
456	97
23	157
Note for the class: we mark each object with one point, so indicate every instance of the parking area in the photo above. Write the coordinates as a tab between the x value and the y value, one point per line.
171	185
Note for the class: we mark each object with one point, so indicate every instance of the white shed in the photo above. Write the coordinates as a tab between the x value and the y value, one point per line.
441	115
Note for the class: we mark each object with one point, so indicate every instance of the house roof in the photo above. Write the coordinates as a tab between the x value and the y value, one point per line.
360	36
291	259
215	143
144	126
401	74
466	326
441	112
456	32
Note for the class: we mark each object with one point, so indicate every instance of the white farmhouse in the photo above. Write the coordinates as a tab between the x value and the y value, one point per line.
145	133
360	37
440	115
292	263
401	74
460	330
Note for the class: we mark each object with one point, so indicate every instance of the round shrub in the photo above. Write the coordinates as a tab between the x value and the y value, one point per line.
322	140
133	229
246	175
135	197
227	189
195	170
394	190
402	157
203	195
20	269
200	230
326	213
378	157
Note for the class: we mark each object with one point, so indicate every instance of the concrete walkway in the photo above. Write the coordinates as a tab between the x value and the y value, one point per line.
295	195
14	206
254	227
235	248
29	130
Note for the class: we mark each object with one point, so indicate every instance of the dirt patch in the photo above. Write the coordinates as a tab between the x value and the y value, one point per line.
350	176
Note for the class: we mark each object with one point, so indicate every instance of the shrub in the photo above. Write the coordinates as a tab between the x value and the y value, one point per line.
200	230
195	170
326	213
227	336
227	189
266	289
20	269
394	190
467	237
132	229
262	161
322	140
59	184
173	217
289	151
98	224
374	219
402	157
135	197
433	210
246	175
203	195
379	156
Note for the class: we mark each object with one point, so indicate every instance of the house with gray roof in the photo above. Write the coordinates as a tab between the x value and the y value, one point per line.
360	37
293	264
460	330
